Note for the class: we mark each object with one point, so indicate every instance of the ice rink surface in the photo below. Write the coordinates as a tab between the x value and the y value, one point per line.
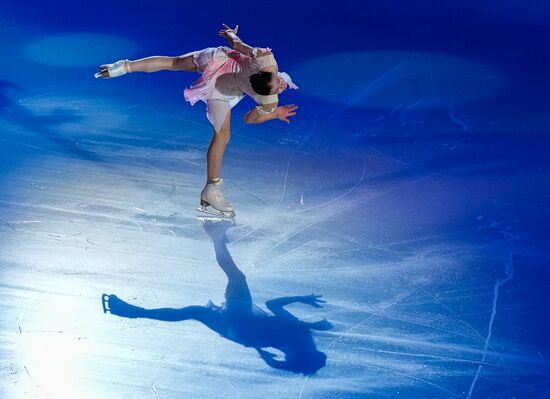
410	191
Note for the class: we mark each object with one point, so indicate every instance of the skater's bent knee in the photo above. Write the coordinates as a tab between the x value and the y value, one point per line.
224	134
237	278
176	62
183	63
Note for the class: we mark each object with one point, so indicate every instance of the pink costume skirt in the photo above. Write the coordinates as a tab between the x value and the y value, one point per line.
211	63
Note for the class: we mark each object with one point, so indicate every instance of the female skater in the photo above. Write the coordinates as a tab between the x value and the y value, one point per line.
227	74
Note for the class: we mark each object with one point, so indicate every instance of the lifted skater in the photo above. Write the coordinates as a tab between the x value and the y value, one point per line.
226	76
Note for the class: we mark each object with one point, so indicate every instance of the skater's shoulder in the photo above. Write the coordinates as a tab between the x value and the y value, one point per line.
266	62
264	59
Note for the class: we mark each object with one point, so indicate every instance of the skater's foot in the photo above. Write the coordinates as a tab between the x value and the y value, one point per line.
113	70
212	196
116	306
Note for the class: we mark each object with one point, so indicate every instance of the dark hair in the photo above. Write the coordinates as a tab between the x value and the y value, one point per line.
261	82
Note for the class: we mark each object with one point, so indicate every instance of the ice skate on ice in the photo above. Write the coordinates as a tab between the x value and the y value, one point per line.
105	303
212	196
116	306
113	70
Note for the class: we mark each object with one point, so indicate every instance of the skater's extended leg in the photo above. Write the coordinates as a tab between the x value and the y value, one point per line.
118	307
209	317
199	313
114	305
149	64
161	63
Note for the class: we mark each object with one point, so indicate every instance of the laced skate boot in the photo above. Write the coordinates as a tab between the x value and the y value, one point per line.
113	70
212	195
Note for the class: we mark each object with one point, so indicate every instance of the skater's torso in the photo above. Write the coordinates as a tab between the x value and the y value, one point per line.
225	76
241	67
262	330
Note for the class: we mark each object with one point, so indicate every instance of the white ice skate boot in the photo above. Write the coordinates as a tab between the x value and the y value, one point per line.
113	70
212	195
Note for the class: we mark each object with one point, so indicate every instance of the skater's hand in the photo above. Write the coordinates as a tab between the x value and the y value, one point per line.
265	355
284	111
227	32
313	300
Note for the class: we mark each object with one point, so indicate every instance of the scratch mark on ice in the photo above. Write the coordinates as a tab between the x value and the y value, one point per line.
173	235
289	161
453	116
456	315
509	270
284	253
370	316
8	224
303	386
34	381
342	195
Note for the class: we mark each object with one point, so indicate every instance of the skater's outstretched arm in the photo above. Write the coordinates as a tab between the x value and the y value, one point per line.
236	42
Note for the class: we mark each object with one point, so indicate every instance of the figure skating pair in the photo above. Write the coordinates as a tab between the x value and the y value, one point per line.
227	74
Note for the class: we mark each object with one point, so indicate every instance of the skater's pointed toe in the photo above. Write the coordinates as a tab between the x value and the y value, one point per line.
119	68
116	306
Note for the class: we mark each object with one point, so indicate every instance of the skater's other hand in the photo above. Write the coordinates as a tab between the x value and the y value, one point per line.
285	111
266	355
226	31
313	300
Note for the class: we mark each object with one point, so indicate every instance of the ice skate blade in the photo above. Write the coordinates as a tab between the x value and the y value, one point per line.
220	214
105	303
97	75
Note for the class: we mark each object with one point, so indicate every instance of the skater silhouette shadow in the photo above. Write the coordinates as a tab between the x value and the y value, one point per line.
47	126
240	320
